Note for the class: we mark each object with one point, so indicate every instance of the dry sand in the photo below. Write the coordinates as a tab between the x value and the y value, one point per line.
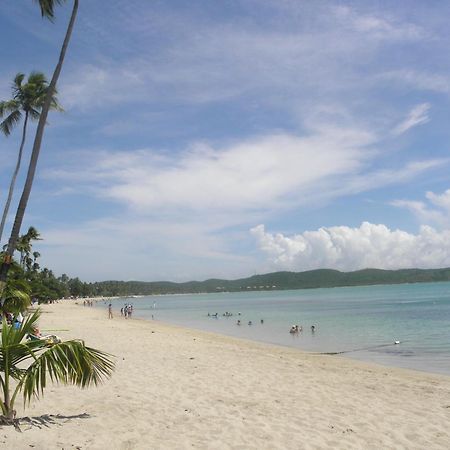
175	388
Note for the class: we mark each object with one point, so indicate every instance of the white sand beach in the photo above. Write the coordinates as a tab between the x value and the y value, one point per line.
175	388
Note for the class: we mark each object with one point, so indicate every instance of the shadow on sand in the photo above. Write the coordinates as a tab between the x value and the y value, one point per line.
46	420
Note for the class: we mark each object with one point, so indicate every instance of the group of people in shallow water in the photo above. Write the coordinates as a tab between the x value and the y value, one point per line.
127	310
225	314
249	322
295	329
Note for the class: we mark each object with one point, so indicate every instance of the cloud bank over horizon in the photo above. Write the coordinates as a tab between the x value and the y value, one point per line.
348	249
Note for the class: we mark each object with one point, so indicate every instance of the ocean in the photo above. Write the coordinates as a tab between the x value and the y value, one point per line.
361	322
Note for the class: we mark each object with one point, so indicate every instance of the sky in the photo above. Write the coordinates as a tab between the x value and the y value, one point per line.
223	139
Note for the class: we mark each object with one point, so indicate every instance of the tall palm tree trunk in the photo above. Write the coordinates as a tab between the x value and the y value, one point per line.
13	179
35	154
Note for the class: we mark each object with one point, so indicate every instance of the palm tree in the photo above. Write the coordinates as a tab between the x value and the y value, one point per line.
16	296
47	10
27	100
69	362
35	267
24	246
17	292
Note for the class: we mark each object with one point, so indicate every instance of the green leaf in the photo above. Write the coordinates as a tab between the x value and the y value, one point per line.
8	124
68	362
48	6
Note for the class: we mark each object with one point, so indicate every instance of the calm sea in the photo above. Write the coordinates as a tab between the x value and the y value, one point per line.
362	322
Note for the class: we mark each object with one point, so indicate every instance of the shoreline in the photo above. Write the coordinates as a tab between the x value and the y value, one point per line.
216	334
176	387
354	351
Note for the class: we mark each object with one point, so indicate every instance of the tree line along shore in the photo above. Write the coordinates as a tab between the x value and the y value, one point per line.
45	286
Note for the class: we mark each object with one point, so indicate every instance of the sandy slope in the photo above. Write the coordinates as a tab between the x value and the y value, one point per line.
176	389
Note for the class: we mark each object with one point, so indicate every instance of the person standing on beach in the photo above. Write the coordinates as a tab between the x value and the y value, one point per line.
110	314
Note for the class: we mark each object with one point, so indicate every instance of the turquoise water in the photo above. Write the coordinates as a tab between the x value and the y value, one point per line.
362	322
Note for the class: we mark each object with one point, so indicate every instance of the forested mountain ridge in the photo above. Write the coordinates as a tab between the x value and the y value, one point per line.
321	278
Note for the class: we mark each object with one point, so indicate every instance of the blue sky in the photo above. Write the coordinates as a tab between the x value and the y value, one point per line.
223	139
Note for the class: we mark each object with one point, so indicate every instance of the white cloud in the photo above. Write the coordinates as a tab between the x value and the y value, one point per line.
185	212
259	174
142	249
442	200
234	184
417	116
385	177
203	63
379	27
435	211
418	79
346	248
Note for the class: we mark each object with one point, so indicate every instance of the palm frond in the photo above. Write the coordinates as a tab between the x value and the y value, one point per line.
11	336
37	78
8	124
8	107
54	105
69	362
18	80
47	7
34	114
13	344
33	234
18	353
16	301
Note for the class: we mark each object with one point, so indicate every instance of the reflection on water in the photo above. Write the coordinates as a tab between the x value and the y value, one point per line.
363	322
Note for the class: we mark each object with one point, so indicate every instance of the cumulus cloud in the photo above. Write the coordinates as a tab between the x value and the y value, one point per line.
417	116
346	248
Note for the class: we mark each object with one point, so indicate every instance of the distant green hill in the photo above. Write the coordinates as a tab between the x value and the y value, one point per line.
322	278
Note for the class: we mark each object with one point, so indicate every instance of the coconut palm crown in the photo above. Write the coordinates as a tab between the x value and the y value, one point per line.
29	365
27	101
